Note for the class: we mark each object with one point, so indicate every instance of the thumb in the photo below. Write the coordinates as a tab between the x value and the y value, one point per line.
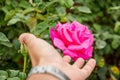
27	38
39	49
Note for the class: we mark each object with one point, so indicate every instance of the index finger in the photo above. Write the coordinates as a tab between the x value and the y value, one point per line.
88	68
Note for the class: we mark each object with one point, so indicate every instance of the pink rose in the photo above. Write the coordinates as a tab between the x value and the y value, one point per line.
74	39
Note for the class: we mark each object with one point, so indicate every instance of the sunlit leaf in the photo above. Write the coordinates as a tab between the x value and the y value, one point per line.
100	44
114	8
13	21
3	37
113	77
84	9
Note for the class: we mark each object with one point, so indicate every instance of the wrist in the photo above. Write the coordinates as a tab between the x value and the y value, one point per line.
55	72
42	76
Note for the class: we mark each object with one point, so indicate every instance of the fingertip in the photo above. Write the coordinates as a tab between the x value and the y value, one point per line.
81	59
25	37
79	62
92	61
21	37
67	58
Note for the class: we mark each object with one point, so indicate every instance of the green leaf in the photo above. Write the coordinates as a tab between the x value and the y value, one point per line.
5	9
108	49
106	35
3	37
41	27
100	60
97	27
8	44
9	15
117	27
115	43
63	19
100	44
3	73
28	10
70	17
14	78
114	8
113	77
22	75
61	11
18	17
84	9
36	1
24	4
101	73
3	77
4	40
13	73
67	3
8	2
13	21
31	23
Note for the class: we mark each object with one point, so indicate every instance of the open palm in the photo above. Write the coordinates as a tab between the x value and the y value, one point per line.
42	53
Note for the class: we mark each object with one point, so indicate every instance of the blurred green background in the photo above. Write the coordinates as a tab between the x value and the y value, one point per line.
37	16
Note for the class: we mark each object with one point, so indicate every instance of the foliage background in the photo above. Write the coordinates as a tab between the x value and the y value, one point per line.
37	16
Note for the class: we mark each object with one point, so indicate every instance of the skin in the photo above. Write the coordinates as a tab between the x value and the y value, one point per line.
42	53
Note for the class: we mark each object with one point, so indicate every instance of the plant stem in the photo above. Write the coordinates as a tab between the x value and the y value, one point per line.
25	61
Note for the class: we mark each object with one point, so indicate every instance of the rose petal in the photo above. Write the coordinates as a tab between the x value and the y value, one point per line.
53	34
59	28
89	51
75	37
59	43
91	39
86	44
81	55
67	36
70	53
77	25
75	47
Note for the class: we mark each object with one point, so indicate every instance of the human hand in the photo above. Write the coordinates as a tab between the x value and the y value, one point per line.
41	53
